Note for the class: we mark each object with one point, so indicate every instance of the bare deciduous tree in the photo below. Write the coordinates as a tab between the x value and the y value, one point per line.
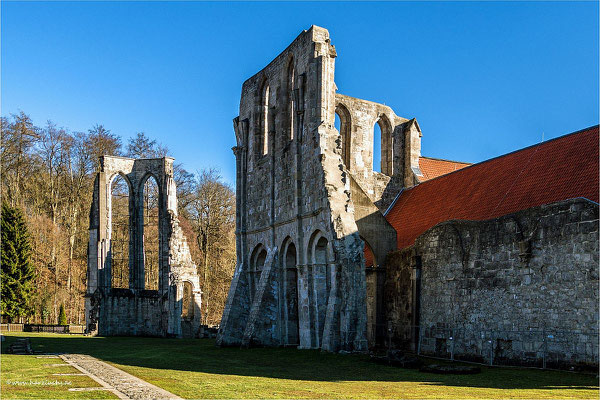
49	173
211	213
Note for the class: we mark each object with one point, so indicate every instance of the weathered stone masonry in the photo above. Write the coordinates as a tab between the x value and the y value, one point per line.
136	310
308	202
492	288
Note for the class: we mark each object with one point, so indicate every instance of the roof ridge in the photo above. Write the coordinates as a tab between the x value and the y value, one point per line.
443	159
505	154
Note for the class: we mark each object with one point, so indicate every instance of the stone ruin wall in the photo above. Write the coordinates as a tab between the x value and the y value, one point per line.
400	146
283	201
136	310
300	275
511	288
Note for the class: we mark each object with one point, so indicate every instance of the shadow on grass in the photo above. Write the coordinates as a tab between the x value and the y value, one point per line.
201	355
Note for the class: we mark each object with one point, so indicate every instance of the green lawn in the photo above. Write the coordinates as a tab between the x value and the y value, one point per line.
198	369
28	377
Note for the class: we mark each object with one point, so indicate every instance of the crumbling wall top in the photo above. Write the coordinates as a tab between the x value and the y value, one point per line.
373	109
315	34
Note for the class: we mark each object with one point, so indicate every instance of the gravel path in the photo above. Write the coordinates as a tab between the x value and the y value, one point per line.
124	385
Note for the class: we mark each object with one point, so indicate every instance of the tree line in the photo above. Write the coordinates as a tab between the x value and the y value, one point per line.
47	175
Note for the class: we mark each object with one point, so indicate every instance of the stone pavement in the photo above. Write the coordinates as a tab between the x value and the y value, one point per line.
122	384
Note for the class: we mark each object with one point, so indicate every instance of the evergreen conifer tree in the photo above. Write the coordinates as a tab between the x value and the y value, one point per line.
62	316
18	271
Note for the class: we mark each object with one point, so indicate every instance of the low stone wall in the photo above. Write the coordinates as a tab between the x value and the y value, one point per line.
522	287
527	347
129	314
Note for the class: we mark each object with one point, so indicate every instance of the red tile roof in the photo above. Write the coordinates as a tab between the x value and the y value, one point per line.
434	167
559	169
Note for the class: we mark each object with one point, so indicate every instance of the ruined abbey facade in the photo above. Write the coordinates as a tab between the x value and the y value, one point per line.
434	255
309	201
141	277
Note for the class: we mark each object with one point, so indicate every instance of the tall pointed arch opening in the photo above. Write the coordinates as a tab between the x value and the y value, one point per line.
290	273
150	239
257	263
291	76
265	120
319	255
343	125
382	146
119	233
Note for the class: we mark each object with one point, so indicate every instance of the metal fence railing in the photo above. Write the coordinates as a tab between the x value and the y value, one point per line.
523	347
72	329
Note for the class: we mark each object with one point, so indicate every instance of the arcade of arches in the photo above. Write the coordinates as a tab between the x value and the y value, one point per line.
141	278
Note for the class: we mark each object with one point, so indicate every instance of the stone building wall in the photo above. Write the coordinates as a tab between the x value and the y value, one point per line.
520	287
300	275
138	309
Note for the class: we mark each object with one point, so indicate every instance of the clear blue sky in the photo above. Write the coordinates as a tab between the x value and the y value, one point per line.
482	79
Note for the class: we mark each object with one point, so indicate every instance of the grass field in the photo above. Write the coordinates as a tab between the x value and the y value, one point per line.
28	377
198	369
